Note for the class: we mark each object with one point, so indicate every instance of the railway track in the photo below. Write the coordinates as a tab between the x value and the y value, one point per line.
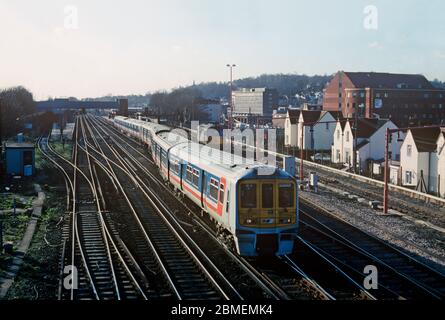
190	273
260	279
398	202
395	284
102	271
265	274
401	276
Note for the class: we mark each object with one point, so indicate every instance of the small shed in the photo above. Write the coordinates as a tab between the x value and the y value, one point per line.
20	158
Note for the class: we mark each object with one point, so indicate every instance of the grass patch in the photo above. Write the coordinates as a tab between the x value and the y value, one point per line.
64	150
38	278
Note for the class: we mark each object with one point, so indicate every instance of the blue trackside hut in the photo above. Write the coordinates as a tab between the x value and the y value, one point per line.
20	158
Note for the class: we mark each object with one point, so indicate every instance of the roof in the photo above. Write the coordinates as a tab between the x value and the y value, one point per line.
389	80
366	127
294	115
426	138
337	115
19	145
362	144
310	116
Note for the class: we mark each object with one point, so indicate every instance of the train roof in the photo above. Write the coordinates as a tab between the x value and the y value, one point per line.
210	159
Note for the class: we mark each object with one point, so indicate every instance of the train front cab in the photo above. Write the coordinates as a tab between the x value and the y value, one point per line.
267	216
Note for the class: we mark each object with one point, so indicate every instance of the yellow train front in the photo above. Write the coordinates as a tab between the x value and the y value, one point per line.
267	214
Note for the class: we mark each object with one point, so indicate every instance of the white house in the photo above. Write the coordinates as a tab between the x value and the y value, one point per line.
419	159
318	129
370	142
290	128
441	163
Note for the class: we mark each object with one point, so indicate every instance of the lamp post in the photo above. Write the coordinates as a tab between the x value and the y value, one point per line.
230	115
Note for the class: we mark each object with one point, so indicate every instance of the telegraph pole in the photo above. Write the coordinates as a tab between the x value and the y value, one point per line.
301	152
386	172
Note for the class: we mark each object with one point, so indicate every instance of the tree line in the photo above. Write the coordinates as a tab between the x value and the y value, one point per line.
16	104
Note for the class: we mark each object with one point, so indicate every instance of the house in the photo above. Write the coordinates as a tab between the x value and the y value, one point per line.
441	164
368	139
279	118
291	127
318	129
419	162
406	99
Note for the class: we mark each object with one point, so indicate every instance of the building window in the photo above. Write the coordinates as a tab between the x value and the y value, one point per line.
362	94
377	95
408	177
338	155
327	126
338	134
409	150
386	95
347	136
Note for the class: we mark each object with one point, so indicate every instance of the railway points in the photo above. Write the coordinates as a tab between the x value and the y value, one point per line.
133	235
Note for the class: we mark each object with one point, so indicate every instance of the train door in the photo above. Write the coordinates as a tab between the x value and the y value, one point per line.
203	187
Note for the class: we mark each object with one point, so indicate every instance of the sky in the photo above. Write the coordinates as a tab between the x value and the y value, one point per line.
90	48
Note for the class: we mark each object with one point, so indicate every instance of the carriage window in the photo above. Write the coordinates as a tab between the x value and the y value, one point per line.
221	193
214	189
286	195
248	196
195	178
189	174
174	166
267	196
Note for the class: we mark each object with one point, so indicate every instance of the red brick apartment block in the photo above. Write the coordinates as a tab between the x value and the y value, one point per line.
406	99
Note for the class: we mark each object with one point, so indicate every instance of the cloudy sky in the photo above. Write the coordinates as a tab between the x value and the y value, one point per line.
88	48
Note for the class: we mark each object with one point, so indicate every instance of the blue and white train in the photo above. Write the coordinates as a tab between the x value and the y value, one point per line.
256	213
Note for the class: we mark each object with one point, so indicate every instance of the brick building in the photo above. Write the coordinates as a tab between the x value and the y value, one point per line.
406	99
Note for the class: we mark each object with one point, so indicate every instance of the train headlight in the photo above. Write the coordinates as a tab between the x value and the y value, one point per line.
249	221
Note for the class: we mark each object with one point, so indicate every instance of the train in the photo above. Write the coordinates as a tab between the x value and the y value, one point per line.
254	214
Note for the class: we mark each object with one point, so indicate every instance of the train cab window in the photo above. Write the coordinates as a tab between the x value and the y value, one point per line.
214	189
248	196
267	195
221	193
286	195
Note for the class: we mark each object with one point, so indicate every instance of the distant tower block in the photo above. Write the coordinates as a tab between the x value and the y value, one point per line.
123	107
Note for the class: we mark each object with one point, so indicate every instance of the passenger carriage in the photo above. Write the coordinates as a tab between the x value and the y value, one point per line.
255	212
